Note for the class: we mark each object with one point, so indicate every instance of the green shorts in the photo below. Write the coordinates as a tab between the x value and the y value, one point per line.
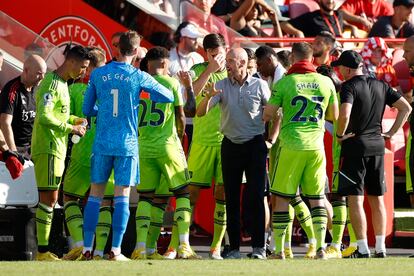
48	171
304	168
204	164
78	181
409	158
163	175
273	157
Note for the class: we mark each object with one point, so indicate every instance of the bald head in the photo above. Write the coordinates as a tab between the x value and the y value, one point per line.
238	54
34	70
236	64
409	52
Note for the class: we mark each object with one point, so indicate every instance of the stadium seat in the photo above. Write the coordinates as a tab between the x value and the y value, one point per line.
299	7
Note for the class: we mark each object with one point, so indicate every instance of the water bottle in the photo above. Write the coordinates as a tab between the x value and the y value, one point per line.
76	137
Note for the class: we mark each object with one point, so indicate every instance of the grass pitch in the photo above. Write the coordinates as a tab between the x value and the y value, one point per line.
388	266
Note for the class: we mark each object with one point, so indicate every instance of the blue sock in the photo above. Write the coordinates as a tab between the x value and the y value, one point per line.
90	220
119	220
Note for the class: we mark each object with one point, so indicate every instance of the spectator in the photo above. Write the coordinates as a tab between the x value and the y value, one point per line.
17	105
364	13
224	9
378	61
205	20
312	23
184	56
397	25
363	100
243	148
245	19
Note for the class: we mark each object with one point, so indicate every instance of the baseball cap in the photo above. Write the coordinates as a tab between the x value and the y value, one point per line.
190	31
349	58
407	3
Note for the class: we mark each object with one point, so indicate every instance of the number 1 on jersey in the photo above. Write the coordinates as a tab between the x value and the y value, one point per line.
114	92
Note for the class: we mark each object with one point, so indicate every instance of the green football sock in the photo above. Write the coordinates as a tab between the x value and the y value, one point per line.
142	221
219	223
304	217
352	236
74	220
288	236
183	216
280	221
319	219
338	221
174	236
157	217
103	227
44	216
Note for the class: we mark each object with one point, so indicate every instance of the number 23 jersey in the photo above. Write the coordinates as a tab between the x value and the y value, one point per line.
304	99
114	89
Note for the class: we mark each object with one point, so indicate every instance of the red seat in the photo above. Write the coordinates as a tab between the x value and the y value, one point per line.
299	7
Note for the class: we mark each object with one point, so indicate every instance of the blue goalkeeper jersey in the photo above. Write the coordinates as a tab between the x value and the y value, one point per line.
113	96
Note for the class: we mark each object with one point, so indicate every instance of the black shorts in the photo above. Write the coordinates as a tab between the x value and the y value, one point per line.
359	173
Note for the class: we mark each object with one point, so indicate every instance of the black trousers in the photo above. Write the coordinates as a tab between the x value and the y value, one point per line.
250	158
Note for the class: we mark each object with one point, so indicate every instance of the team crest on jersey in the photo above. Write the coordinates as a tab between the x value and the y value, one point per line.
47	99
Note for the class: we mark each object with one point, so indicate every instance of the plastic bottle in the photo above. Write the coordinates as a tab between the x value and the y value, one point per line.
76	137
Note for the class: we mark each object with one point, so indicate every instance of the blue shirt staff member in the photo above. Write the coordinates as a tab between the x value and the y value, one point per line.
241	98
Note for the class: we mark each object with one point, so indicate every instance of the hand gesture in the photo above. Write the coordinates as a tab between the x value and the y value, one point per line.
211	90
185	78
216	63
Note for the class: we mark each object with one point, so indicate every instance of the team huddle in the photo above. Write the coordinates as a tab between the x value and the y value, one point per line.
240	120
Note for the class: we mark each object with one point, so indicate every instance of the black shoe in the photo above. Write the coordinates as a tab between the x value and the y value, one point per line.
411	256
380	255
357	255
226	250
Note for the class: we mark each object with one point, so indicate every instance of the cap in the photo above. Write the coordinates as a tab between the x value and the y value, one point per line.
407	3
349	58
190	31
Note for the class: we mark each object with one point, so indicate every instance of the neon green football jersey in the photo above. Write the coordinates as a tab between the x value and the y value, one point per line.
53	122
82	151
206	130
336	147
156	127
304	99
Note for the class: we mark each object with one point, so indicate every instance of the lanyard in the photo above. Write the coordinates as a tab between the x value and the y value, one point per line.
328	23
183	68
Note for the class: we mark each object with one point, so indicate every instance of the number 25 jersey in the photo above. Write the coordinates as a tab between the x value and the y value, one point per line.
304	99
113	96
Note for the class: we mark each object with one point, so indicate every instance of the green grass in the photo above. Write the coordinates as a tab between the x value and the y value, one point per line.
402	266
